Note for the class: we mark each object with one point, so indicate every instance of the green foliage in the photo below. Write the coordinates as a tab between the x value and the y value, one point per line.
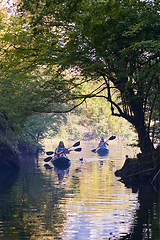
42	125
33	130
23	71
51	51
92	120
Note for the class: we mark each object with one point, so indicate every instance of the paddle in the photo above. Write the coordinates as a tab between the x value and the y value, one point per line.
47	166
74	145
94	150
50	153
76	150
48	159
111	138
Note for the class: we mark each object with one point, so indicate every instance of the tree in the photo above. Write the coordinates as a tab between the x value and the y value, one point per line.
21	75
113	43
22	97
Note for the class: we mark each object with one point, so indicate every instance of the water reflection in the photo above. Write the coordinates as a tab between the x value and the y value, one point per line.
31	208
100	210
83	202
7	179
61	173
146	220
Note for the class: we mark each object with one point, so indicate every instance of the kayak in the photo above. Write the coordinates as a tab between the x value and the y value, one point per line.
102	151
61	163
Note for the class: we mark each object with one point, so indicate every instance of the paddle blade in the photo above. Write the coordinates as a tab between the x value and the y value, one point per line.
112	138
47	166
49	153
77	149
47	159
93	150
76	144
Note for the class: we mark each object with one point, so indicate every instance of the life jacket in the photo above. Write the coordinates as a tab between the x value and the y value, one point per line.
102	144
61	150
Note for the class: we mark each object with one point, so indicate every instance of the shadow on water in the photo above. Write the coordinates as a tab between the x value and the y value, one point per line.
146	221
7	179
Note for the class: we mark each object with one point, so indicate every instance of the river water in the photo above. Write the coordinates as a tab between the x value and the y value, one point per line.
85	201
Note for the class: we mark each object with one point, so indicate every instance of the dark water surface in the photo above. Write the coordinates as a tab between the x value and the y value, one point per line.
84	202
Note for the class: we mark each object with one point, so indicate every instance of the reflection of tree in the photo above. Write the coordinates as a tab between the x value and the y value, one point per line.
92	180
146	221
33	208
7	179
100	178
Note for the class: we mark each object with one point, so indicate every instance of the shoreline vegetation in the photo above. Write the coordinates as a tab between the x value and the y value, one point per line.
135	171
85	123
80	127
145	169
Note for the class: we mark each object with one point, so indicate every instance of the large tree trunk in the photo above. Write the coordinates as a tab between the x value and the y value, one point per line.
144	140
145	143
138	121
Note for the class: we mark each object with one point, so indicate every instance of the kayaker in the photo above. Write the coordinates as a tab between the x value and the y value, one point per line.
61	150
102	143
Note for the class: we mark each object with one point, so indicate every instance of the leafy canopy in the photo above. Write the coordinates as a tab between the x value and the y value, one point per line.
109	41
61	45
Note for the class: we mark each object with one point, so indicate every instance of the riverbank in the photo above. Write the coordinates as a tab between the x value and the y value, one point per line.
8	157
144	168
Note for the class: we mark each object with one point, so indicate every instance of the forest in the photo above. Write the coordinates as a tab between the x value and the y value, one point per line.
80	69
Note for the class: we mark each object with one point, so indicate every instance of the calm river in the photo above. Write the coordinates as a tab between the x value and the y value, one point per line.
84	202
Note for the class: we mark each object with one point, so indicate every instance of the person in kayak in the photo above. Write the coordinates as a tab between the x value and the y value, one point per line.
102	143
61	150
